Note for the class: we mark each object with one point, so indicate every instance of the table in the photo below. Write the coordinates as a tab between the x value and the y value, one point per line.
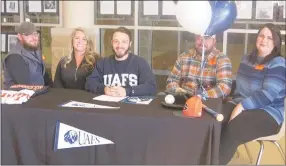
142	135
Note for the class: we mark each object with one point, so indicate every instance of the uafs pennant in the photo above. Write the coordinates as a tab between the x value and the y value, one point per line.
70	137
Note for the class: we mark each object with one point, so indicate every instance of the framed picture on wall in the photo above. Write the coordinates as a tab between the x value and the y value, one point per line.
12	7
123	7
50	6
150	8
244	9
12	40
283	3
2	6
3	42
168	8
34	6
264	10
106	7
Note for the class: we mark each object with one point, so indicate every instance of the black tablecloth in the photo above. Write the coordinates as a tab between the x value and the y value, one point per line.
142	134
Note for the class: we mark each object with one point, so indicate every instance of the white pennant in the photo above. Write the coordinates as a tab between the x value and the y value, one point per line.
70	137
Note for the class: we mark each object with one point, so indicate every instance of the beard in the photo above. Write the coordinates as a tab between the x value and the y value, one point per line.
120	55
207	51
28	46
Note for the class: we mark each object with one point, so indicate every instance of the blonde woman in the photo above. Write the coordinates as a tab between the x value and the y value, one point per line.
73	69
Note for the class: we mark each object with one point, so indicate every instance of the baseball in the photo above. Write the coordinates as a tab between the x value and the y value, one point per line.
219	117
169	99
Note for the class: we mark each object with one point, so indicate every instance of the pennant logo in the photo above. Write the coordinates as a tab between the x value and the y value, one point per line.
70	137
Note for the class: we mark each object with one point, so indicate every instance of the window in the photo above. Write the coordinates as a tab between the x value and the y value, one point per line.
153	44
6	30
235	49
160	49
164	54
46	48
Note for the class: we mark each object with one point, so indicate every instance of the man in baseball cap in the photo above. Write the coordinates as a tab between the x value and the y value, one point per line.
24	63
28	35
26	28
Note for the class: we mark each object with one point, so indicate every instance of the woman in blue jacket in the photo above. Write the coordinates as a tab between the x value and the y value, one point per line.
257	106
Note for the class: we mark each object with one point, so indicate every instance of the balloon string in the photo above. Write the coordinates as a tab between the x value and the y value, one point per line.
203	93
203	60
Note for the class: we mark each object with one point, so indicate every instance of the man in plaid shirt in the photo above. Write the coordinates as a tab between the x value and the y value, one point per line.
187	77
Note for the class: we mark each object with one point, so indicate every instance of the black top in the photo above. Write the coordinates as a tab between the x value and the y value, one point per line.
72	77
134	74
19	70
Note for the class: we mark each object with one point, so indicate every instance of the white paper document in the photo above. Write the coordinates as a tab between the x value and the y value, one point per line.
108	98
123	7
150	8
86	105
169	8
16	97
106	7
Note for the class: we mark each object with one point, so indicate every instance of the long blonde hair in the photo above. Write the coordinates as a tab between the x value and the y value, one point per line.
90	55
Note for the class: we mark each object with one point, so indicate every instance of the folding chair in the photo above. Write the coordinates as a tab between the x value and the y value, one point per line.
271	138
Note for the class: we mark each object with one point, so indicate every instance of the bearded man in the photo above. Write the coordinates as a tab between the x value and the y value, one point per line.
24	63
210	77
123	73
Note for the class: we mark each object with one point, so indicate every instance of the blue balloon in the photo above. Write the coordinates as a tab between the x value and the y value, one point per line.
223	16
212	3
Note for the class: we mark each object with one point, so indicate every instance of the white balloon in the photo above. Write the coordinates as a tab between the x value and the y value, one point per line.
169	99
194	16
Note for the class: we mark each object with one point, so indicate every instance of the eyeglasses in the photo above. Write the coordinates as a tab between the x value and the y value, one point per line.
36	34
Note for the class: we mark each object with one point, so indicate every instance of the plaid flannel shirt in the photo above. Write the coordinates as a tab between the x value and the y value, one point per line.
216	78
